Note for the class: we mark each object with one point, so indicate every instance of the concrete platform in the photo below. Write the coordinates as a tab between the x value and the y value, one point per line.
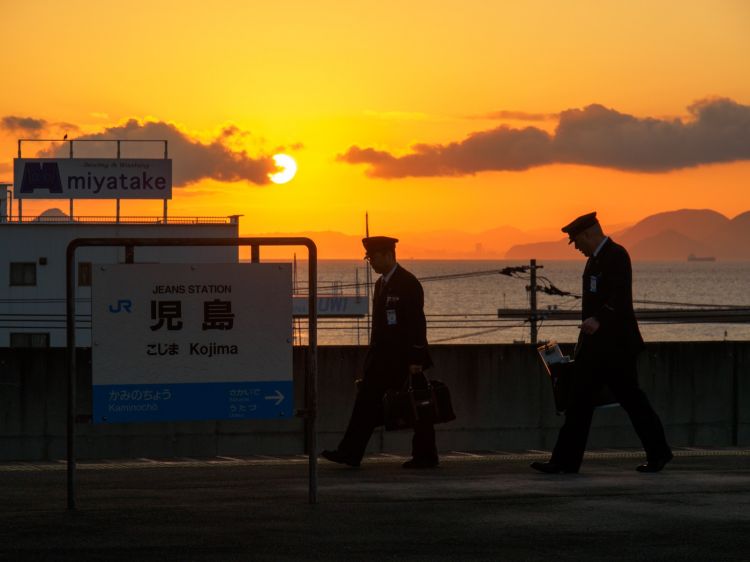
475	506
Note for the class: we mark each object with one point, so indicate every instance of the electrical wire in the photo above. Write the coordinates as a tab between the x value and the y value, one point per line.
442	321
473	334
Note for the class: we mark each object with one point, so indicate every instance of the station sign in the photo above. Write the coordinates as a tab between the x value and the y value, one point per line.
191	342
92	178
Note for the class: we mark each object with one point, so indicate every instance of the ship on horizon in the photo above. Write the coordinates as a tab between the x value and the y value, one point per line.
693	257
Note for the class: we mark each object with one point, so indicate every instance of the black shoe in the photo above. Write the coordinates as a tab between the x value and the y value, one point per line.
420	463
655	465
340	457
551	468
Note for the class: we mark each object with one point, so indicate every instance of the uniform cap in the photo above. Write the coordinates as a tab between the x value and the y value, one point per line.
379	243
579	225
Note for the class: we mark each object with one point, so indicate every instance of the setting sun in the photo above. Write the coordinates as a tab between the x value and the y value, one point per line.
631	109
288	168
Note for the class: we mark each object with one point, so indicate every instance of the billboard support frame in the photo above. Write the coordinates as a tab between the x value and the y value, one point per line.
309	412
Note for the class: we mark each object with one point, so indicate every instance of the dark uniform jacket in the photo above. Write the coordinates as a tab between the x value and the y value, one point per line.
608	296
399	330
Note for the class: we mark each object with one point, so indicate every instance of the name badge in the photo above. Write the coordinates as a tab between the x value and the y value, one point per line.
593	280
390	316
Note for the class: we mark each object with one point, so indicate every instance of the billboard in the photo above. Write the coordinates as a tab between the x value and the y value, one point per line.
191	342
335	306
92	178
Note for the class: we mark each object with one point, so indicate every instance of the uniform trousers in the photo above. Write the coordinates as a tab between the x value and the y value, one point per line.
622	380
368	414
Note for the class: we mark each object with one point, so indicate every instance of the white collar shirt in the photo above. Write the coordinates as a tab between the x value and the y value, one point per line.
599	247
387	276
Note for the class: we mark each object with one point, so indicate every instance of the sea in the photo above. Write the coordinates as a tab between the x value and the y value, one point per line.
462	298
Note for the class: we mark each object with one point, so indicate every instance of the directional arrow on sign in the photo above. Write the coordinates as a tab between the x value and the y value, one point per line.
278	397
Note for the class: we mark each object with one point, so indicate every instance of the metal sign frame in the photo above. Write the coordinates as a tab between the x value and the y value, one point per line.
309	413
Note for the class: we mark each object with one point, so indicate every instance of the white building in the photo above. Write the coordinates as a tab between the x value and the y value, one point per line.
32	264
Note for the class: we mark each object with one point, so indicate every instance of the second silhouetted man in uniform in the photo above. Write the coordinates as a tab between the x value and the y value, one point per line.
608	345
398	348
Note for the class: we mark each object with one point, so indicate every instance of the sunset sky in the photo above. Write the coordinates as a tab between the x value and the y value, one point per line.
431	115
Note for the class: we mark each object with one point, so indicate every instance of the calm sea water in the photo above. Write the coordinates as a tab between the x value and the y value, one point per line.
464	310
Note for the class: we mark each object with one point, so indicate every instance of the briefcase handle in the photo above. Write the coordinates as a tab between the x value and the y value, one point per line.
408	382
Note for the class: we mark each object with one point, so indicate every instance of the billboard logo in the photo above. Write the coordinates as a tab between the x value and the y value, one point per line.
41	175
122	305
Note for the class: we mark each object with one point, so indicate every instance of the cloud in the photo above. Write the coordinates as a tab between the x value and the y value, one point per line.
192	160
518	115
28	124
398	115
33	127
499	149
718	131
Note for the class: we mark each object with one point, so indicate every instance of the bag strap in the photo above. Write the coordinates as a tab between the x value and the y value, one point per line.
408	382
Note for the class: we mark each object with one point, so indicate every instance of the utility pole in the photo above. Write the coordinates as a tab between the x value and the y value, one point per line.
532	301
368	276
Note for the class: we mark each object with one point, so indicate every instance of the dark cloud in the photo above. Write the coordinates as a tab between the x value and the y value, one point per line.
67	127
29	124
231	131
518	115
192	159
33	127
718	131
503	148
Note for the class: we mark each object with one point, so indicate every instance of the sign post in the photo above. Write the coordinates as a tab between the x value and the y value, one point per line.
258	395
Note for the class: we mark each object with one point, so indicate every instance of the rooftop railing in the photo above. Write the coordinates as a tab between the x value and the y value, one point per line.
43	219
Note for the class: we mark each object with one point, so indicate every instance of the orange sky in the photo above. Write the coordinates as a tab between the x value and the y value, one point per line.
315	79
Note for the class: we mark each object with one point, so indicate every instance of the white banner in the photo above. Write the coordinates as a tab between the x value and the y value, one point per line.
333	306
92	178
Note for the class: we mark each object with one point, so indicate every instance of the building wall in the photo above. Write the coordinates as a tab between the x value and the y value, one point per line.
29	242
501	397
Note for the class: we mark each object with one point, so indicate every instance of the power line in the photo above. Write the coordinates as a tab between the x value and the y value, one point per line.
473	334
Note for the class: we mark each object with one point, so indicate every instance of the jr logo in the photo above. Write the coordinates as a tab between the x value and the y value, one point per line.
122	305
41	175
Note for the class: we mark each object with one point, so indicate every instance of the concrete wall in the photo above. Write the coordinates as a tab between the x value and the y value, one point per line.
501	397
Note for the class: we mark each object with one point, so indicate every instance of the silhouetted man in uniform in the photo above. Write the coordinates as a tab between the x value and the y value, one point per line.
398	347
606	353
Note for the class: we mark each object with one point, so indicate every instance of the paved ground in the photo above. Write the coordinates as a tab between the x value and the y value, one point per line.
475	506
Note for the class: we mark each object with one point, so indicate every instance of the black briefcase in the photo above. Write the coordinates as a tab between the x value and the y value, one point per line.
422	400
562	374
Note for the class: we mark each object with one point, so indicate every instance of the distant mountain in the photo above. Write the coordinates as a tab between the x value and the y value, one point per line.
453	244
51	215
696	224
667	245
664	236
559	250
732	241
330	244
671	235
438	244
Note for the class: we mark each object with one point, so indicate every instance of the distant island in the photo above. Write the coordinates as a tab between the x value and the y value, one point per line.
670	236
673	235
693	257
